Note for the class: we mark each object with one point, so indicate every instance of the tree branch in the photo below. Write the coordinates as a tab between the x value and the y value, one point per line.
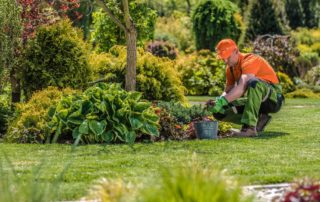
113	17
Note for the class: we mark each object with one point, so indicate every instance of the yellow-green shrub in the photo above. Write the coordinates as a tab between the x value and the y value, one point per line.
157	78
302	93
202	73
57	56
30	124
286	83
313	76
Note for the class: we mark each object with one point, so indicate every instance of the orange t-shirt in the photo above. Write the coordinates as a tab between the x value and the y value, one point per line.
251	64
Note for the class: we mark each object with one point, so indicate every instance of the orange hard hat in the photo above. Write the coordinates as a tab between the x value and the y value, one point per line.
225	48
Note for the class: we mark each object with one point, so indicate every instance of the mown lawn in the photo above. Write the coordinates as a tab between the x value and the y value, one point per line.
289	148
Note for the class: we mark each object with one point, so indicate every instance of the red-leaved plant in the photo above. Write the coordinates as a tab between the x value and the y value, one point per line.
305	190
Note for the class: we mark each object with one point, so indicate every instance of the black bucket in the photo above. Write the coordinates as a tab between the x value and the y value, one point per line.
206	129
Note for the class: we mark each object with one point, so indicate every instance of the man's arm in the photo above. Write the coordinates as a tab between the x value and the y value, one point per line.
238	90
227	90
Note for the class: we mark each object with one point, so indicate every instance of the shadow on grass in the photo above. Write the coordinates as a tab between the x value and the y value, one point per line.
271	134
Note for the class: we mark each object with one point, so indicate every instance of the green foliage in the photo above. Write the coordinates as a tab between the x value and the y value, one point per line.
10	33
30	124
5	114
311	10
266	17
308	40
286	83
107	34
56	57
214	20
103	113
202	73
313	76
176	29
162	49
157	78
279	51
193	182
302	93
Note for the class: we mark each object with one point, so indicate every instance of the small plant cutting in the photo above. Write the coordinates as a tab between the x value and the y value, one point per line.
103	113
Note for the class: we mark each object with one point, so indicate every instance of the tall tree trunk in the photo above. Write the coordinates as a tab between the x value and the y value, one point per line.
188	7
131	60
131	37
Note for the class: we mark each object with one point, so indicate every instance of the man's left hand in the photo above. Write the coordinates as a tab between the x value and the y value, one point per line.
219	104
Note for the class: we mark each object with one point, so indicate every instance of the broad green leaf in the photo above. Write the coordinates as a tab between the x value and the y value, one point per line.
135	96
63	113
151	117
51	111
75	133
84	127
141	106
86	107
135	123
131	137
97	127
107	136
150	129
75	120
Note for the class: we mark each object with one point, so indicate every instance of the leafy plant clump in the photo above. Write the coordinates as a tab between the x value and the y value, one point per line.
103	113
31	118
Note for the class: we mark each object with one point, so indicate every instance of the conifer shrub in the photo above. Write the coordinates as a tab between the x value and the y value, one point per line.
57	56
214	20
30	123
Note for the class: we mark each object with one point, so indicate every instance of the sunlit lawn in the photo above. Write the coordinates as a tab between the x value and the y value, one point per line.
289	148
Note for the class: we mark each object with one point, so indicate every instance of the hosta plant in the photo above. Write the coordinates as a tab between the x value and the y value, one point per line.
103	113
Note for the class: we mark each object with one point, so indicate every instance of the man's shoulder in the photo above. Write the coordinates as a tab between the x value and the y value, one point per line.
250	59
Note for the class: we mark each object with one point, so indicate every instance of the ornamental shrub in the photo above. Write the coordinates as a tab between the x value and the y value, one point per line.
162	49
286	83
30	123
266	17
56	57
103	113
106	33
201	73
306	189
157	78
302	93
313	76
176	29
279	51
214	20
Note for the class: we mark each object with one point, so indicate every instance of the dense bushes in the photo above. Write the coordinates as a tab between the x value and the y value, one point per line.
202	73
56	57
103	113
286	83
313	76
176	29
266	17
162	49
5	113
214	20
107	34
279	51
30	124
157	78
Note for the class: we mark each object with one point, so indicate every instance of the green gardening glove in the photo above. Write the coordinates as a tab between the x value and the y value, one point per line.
219	104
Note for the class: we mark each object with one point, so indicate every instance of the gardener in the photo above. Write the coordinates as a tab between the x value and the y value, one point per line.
252	90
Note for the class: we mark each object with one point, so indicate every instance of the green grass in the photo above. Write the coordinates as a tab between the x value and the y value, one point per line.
288	149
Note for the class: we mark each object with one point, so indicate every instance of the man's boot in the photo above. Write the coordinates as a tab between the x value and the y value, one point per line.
246	131
263	121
